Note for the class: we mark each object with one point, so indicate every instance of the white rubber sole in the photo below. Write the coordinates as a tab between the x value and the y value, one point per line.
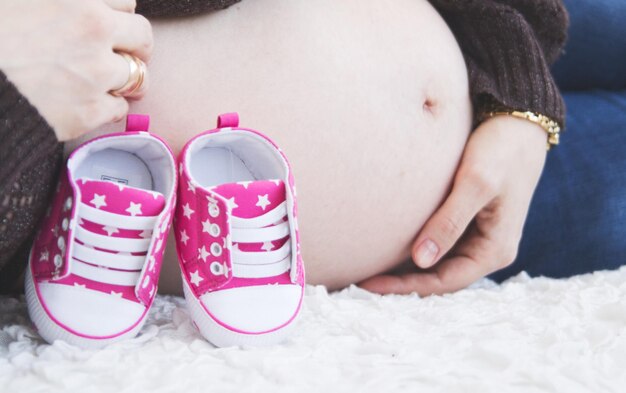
51	331
220	336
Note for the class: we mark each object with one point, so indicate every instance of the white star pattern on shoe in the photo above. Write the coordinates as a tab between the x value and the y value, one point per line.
203	253
191	187
232	205
276	181
183	237
146	234
155	194
99	200
45	256
55	231
187	211
195	278
134	209
120	186
206	225
263	201
110	230
116	294
267	246
245	184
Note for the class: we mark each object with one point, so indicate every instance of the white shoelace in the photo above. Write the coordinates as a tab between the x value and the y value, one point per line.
118	266
260	264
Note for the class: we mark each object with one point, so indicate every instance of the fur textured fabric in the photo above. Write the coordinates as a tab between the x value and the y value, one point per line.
526	335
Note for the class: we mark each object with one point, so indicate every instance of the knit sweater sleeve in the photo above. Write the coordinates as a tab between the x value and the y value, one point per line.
508	47
158	8
30	155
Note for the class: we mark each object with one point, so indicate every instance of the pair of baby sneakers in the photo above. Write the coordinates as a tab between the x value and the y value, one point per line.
94	265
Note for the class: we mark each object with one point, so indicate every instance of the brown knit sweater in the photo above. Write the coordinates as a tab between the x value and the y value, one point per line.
508	46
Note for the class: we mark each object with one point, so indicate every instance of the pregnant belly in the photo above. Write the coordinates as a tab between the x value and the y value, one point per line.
368	99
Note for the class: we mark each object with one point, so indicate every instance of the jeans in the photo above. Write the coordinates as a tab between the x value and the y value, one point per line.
577	218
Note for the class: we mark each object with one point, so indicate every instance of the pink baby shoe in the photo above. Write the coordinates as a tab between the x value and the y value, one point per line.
94	266
237	236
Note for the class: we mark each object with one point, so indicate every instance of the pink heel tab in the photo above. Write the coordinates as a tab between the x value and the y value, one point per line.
137	122
228	120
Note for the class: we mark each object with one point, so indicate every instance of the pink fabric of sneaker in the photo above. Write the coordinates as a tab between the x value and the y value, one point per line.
237	236
95	263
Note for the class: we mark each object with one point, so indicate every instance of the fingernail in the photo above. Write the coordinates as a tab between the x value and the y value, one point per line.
426	253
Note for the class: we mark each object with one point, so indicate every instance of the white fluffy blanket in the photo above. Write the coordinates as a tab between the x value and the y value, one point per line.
523	336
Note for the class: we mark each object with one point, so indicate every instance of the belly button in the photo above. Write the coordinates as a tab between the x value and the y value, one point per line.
429	106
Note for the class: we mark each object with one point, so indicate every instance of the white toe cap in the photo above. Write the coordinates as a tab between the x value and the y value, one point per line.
254	309
87	312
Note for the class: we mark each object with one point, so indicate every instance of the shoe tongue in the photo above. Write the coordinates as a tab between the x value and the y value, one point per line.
252	198
120	199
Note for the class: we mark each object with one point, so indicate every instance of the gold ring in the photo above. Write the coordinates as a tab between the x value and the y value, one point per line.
136	75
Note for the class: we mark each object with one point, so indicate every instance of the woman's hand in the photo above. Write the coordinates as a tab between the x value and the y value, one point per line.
60	55
478	228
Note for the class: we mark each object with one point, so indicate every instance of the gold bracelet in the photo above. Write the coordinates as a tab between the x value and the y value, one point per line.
550	126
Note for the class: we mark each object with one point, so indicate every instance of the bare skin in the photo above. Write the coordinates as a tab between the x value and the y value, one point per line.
368	99
63	58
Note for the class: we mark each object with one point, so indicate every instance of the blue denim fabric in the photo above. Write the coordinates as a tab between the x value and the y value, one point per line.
595	54
577	219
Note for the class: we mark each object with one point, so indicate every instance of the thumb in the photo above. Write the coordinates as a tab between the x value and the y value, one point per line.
449	222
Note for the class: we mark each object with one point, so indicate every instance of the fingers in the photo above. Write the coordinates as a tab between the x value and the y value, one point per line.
385	284
491	196
92	115
122	5
113	109
141	91
133	35
121	74
450	275
489	245
448	223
